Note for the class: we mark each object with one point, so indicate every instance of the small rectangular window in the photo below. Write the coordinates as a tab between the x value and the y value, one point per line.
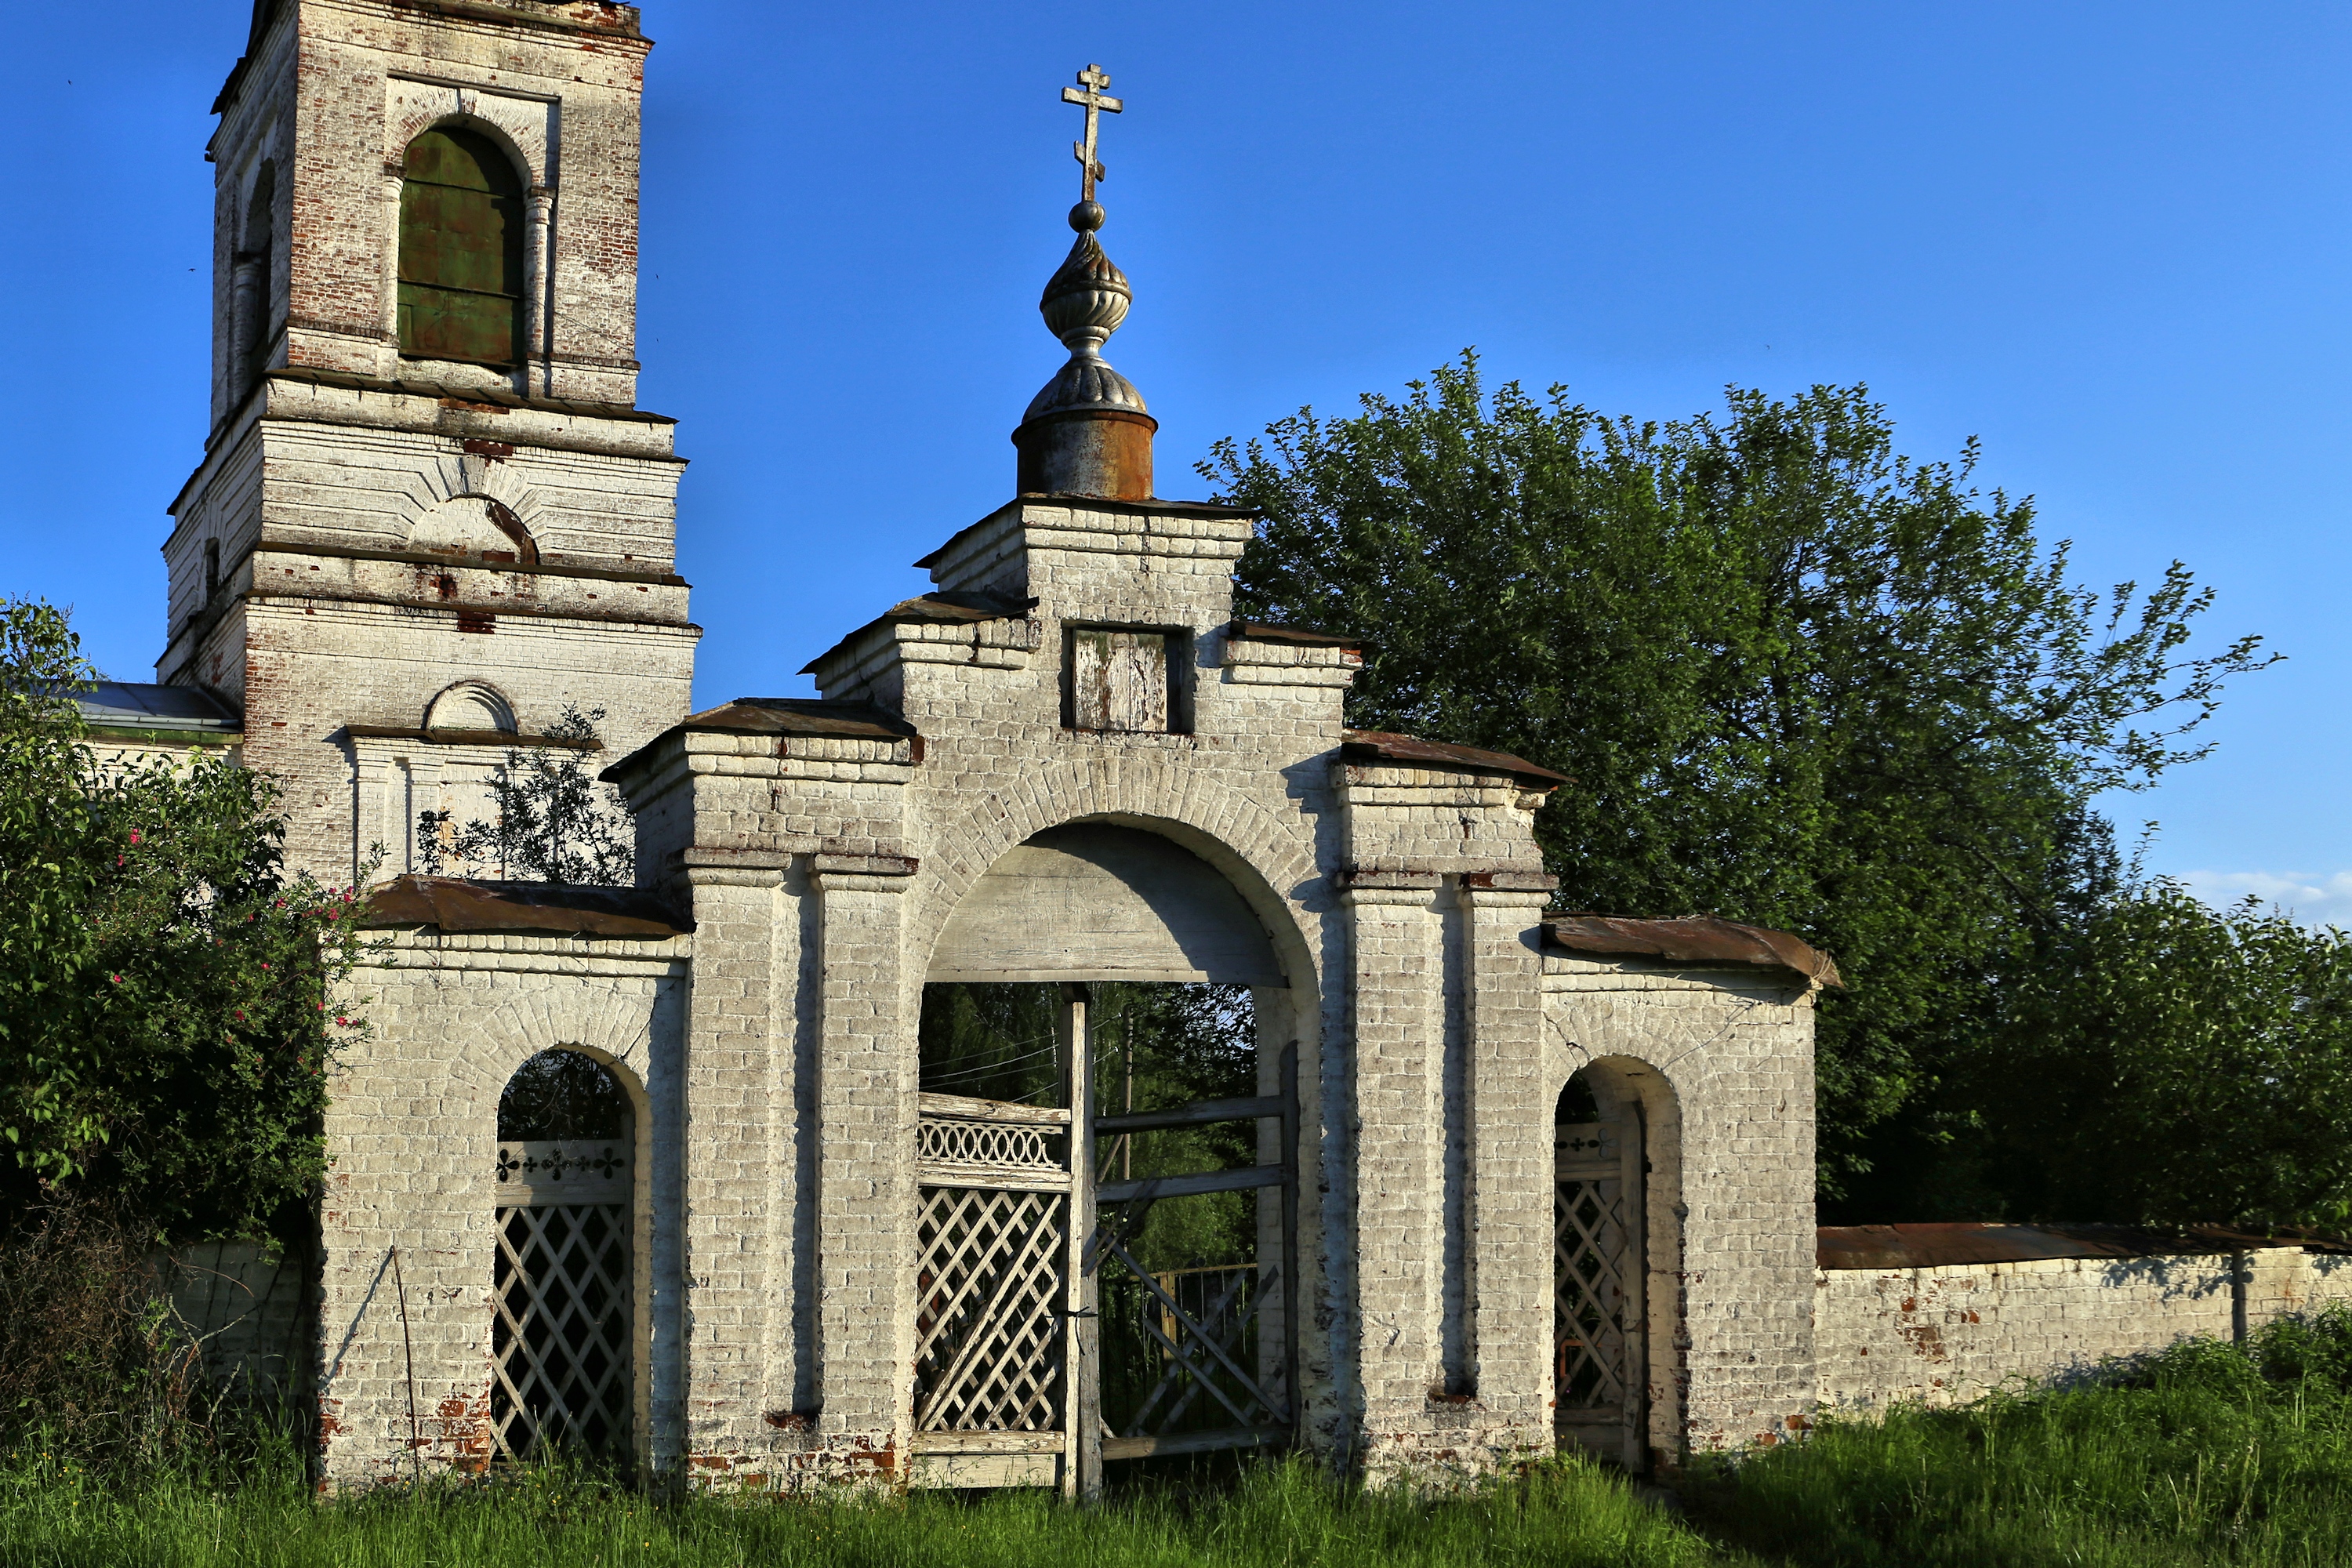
1118	680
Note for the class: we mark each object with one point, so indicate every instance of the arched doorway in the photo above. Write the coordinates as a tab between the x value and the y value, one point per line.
1600	1268
1095	1101
561	1334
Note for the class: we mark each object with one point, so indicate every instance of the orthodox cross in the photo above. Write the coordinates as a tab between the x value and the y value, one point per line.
1090	92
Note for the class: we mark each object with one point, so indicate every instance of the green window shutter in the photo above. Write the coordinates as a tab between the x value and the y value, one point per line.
461	229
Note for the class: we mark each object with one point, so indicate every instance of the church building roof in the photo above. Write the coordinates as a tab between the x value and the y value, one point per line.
463	904
125	706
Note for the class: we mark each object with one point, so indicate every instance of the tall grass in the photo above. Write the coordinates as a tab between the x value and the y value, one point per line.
2206	1456
2202	1455
1566	1514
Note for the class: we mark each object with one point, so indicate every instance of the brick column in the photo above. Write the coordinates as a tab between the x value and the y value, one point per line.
1396	946
1510	1152
736	1147
866	1086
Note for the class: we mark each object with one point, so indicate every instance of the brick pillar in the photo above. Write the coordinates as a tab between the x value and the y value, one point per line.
1396	944
736	1146
1510	1156
866	1086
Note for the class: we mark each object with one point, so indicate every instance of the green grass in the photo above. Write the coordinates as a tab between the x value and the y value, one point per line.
2205	1455
1565	1515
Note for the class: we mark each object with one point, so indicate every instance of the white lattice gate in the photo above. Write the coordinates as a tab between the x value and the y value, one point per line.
1600	1376
994	1338
560	1375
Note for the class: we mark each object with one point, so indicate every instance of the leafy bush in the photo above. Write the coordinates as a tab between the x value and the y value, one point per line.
166	1020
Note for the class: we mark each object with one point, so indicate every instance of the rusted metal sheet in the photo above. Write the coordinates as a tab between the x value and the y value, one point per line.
461	904
1701	939
1267	631
784	716
803	716
934	609
1103	454
1954	1243
1379	746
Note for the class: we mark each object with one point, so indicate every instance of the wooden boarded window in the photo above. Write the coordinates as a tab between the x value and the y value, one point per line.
1118	680
461	262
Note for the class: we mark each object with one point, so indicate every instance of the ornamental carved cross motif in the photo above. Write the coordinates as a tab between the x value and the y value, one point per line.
1090	92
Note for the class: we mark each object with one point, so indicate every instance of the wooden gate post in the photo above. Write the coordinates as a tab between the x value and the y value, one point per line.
1082	1358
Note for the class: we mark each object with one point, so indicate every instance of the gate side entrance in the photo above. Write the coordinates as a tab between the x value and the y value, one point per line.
1599	1351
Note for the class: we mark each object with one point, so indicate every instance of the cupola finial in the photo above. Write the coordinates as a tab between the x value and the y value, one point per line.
1086	432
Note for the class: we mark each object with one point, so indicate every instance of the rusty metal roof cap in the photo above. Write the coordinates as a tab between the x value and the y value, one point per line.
947	609
783	716
464	904
1379	746
1270	631
1699	939
802	716
1951	1243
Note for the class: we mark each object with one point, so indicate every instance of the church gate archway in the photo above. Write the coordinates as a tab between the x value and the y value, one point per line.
1031	1210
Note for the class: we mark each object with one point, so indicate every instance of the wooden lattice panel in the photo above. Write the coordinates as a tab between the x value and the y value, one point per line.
1592	1255
989	1339
561	1335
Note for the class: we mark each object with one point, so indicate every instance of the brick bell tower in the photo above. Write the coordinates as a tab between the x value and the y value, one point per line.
430	514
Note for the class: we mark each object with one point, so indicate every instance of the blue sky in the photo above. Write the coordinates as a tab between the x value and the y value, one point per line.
2110	239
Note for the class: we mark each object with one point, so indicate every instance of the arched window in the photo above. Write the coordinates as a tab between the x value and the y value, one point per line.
461	262
253	284
561	1340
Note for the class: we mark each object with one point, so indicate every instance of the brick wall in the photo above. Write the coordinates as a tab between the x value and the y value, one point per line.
1947	1335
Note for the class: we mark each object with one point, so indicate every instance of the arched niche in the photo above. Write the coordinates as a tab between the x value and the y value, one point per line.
1093	901
472	526
470	705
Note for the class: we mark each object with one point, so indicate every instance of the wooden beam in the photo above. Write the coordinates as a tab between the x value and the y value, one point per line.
1199	1114
1186	1186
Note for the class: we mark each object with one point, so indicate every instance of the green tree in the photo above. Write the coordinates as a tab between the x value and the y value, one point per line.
1798	679
551	821
2169	1063
166	986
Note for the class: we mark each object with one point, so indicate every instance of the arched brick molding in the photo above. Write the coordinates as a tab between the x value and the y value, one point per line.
1270	862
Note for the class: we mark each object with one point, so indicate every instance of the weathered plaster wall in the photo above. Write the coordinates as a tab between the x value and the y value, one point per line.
412	1133
1947	1335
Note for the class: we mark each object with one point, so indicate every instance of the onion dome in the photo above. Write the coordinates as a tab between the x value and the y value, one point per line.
1086	432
